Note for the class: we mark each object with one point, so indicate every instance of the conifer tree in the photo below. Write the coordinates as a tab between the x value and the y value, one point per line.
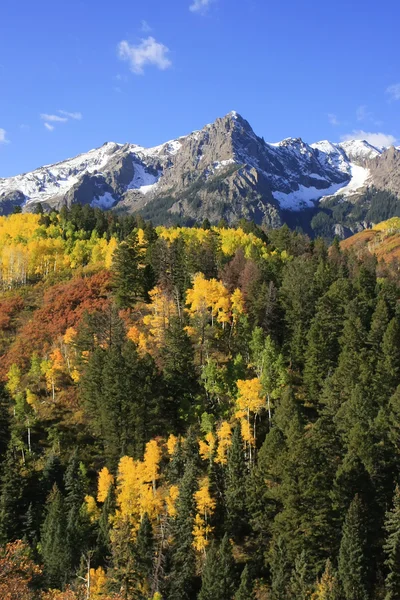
328	588
128	276
392	549
352	554
55	551
144	553
280	571
219	573
77	521
179	376
103	536
209	584
245	589
11	490
235	487
183	568
4	421
299	588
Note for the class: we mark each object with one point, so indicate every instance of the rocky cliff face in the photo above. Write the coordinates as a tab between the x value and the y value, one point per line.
223	171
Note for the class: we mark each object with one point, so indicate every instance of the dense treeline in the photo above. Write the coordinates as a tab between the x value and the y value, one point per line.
215	416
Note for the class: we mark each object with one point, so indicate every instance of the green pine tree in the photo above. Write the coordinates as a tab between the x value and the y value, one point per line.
128	274
235	487
245	589
183	561
352	554
54	547
392	549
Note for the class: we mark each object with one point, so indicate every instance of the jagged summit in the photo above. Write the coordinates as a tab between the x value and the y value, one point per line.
223	170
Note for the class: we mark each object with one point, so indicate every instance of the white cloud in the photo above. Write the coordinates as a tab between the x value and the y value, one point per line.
200	6
145	27
49	127
148	52
71	115
53	118
3	137
333	120
376	139
394	91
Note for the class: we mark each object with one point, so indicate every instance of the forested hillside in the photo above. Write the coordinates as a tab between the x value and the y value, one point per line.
204	412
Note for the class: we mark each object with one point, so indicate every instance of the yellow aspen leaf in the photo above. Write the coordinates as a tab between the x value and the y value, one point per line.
70	336
237	302
92	509
171	444
105	481
250	396
224	435
246	431
171	499
206	448
98	582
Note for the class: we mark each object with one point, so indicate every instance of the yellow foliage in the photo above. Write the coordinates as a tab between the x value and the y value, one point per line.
206	448
208	298
237	302
69	336
32	399
92	509
171	444
170	500
152	457
162	308
224	435
98	581
28	249
246	431
75	375
204	502
136	491
205	505
250	395
138	337
13	379
105	481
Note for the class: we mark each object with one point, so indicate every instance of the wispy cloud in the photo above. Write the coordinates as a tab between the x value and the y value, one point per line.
77	116
393	91
145	27
3	137
148	52
333	120
376	139
53	118
362	113
63	116
200	6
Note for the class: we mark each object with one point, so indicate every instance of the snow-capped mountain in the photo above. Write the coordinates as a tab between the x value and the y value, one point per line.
224	170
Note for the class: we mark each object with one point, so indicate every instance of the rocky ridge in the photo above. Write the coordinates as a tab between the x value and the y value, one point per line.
222	171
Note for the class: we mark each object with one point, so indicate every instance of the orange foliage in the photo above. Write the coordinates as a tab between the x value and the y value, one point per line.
17	571
9	308
63	307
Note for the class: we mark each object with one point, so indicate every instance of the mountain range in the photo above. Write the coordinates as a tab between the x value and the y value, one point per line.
222	171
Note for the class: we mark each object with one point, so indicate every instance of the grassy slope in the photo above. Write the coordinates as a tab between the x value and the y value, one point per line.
383	240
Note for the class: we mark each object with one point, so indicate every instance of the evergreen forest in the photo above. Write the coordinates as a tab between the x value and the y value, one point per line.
207	413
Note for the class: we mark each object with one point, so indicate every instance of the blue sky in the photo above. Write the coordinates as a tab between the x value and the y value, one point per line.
76	74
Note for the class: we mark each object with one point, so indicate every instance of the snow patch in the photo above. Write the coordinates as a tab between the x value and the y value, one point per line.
306	197
143	181
105	201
